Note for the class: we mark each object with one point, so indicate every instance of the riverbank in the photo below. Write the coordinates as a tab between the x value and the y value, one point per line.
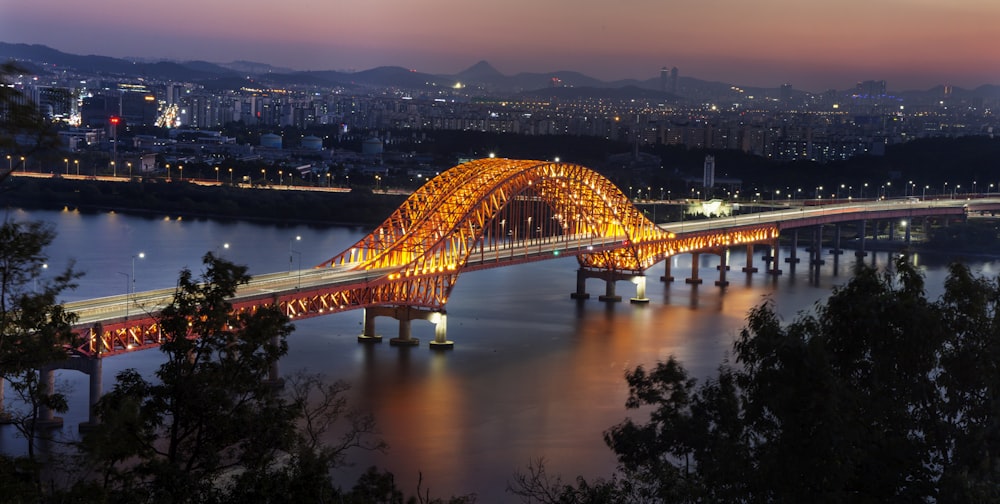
358	207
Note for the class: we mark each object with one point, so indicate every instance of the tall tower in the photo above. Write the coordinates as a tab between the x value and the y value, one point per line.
664	75
708	180
673	79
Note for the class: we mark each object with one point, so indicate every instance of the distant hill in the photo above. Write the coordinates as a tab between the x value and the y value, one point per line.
482	75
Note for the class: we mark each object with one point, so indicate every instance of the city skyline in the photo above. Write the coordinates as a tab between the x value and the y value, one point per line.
912	44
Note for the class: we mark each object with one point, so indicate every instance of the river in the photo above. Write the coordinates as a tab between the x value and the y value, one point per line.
533	373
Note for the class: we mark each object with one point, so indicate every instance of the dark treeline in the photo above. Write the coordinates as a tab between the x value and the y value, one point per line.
359	206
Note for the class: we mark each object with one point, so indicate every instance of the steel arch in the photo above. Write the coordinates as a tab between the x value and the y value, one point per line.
423	245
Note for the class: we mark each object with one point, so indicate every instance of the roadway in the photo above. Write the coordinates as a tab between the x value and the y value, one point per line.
141	304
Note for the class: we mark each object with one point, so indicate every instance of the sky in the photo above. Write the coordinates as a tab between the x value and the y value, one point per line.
811	44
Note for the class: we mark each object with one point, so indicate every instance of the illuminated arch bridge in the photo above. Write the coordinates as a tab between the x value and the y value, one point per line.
482	214
477	214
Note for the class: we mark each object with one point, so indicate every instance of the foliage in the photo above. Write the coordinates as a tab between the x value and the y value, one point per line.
880	395
34	329
212	427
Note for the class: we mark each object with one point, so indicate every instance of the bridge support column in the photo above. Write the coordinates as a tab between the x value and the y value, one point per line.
892	230
906	231
609	292
640	290
792	259
723	268
816	252
694	280
667	277
862	225
775	258
368	331
47	385
403	337
749	268
581	285
441	342
836	250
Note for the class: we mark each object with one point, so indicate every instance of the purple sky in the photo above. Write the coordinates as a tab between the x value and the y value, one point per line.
913	44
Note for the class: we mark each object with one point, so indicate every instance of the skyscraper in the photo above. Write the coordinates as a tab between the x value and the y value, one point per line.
664	75
708	180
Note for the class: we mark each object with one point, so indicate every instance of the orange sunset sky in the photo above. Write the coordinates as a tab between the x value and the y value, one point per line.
913	44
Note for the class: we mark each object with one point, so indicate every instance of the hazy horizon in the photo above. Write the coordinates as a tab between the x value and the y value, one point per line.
911	44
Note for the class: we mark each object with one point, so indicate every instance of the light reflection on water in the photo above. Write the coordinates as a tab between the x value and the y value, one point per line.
533	373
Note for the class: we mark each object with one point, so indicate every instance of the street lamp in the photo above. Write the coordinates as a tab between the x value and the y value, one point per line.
77	163
129	171
281	177
298	280
10	163
34	281
24	166
230	176
181	168
290	240
66	160
140	255
114	169
127	283
168	171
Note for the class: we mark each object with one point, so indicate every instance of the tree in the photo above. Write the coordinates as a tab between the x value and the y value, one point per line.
879	395
34	328
212	428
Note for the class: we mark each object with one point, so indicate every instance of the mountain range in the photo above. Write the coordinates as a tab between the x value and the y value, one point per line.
480	78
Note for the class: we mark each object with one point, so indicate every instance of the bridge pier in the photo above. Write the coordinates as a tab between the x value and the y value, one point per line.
749	268
723	268
581	285
406	314
640	290
694	280
368	330
816	251
775	262
792	256
862	231
610	277
609	292
667	277
46	384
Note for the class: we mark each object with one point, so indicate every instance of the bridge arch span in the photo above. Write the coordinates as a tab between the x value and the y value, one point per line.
485	203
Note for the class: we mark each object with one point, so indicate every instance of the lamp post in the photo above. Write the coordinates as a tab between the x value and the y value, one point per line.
290	240
114	169
140	255
77	163
10	163
66	160
127	283
281	177
168	171
24	166
216	174
230	176
181	168
298	280
129	171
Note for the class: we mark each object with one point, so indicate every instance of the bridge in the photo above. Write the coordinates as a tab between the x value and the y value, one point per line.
494	213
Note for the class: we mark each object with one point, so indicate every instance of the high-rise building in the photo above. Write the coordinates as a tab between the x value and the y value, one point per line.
708	180
664	76
674	73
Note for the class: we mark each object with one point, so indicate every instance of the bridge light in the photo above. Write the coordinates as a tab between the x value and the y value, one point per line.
555	252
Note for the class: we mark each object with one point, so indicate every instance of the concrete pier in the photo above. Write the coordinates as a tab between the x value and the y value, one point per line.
694	280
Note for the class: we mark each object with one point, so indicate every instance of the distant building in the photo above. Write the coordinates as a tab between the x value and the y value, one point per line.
664	77
708	177
674	77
